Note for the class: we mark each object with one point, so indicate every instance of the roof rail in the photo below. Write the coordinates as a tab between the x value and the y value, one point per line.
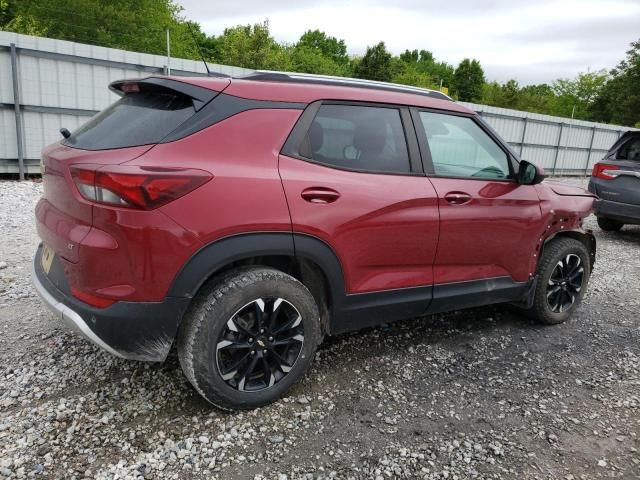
274	76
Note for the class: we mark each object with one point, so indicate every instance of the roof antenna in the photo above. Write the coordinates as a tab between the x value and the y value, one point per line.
199	49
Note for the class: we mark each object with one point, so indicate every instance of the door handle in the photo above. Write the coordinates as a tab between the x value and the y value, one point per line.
457	198
320	195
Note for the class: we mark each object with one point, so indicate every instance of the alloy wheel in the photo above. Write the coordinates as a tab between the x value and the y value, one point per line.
565	283
260	344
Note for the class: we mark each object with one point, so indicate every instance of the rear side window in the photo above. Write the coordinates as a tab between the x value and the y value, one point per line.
358	138
630	150
460	148
140	118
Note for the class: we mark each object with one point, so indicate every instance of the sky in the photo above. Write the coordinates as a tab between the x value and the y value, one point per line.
532	41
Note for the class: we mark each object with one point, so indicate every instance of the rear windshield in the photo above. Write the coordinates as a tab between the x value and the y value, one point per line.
140	118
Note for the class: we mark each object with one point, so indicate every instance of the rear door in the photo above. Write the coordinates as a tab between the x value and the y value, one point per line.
489	224
353	181
624	186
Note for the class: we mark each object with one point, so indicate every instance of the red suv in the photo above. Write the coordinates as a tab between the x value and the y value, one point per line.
248	218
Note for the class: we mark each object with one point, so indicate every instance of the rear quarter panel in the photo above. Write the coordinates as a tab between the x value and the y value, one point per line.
245	194
63	217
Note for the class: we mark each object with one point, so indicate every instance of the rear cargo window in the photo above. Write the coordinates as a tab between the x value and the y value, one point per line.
140	118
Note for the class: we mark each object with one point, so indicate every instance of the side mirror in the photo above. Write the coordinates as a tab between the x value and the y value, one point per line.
529	174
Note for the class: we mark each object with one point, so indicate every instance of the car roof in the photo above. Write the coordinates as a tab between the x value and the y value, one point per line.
282	89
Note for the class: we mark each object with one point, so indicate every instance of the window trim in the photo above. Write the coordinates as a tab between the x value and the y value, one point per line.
292	145
425	149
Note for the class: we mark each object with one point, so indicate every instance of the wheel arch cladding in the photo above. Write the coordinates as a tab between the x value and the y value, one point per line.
585	237
214	256
307	258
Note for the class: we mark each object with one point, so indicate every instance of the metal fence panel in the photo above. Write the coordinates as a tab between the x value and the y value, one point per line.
6	83
44	129
560	145
605	138
542	133
541	156
61	84
8	147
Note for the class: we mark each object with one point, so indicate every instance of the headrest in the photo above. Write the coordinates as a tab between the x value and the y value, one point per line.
370	136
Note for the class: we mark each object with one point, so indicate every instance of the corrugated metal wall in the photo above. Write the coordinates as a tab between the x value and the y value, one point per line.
559	145
62	84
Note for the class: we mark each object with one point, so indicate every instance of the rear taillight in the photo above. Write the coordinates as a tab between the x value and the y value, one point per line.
604	171
137	187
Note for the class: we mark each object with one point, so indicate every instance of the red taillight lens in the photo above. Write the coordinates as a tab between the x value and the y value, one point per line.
93	300
131	186
604	171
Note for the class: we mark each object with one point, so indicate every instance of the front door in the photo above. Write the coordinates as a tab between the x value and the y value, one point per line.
489	224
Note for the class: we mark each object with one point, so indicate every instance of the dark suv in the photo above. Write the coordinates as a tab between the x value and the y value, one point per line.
246	219
616	180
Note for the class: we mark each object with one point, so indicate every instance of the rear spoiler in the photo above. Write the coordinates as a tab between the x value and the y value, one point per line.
199	95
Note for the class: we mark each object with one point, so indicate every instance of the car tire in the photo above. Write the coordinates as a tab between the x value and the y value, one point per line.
609	225
563	274
222	350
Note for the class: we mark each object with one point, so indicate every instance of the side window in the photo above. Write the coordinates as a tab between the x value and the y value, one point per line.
358	138
630	150
460	148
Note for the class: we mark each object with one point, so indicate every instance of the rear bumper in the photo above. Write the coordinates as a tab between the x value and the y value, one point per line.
623	212
132	330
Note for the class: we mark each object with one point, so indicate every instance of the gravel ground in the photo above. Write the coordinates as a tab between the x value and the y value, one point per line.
480	393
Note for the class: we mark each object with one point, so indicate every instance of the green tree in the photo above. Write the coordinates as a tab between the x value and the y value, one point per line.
139	26
375	65
492	94
252	46
410	75
424	63
577	95
468	80
537	98
532	98
410	56
309	60
422	57
619	99
318	53
12	20
511	94
327	46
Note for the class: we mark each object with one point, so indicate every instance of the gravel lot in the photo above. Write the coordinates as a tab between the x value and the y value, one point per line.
480	393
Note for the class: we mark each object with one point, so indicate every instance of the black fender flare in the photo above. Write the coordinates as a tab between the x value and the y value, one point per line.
585	236
588	240
218	254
